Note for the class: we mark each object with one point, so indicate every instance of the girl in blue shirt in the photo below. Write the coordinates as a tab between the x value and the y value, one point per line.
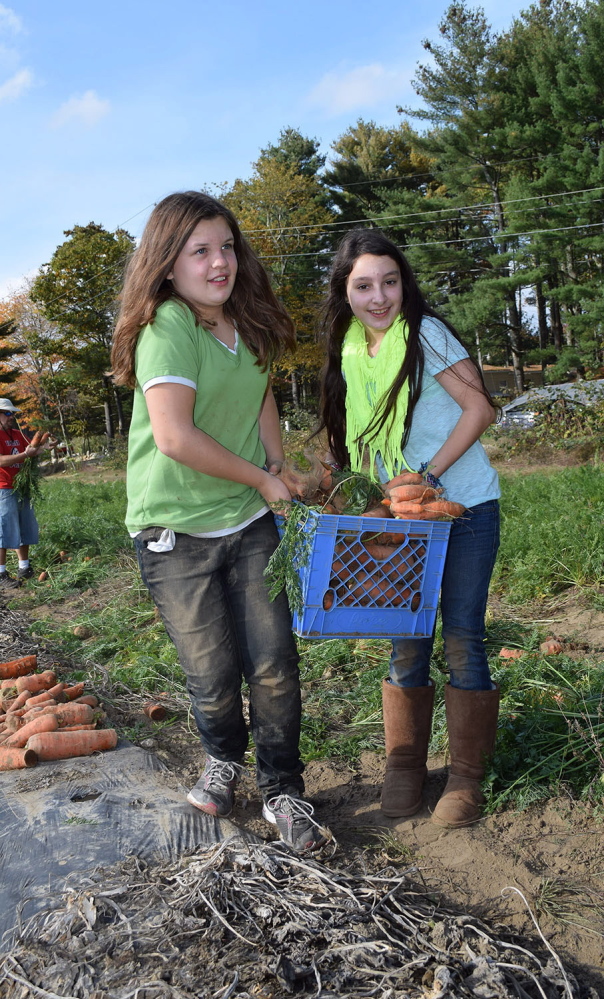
400	389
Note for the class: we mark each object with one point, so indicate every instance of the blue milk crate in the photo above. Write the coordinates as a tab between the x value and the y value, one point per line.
348	593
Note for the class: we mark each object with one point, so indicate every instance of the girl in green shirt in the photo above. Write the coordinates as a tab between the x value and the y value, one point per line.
198	329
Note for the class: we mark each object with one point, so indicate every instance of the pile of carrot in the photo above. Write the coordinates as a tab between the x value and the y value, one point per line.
44	719
378	570
408	497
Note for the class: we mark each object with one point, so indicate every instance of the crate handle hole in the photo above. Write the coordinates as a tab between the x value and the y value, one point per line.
328	600
416	601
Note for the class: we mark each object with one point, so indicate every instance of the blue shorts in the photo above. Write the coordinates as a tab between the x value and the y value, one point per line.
18	524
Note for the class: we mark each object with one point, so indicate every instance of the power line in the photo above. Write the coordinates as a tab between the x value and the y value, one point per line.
449	242
381	220
422	215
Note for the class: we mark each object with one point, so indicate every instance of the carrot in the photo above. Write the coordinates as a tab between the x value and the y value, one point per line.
15	759
446	507
328	600
406	479
19	701
70	713
421	494
72	692
89	699
36	682
45	723
377	511
18	667
63	745
379	552
35	700
54	695
406	509
156	711
551	647
36	439
77	728
28	713
11	724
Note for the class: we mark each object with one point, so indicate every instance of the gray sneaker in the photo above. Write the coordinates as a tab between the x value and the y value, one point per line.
293	818
25	573
7	582
215	789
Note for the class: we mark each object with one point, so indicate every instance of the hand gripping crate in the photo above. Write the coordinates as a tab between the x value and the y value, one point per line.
350	592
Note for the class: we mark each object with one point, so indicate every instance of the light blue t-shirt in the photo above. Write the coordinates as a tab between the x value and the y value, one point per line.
471	479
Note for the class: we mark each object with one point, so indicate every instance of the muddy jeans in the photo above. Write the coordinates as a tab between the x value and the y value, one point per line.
214	603
471	554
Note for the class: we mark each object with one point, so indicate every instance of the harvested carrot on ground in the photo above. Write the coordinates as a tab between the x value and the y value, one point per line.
78	728
18	667
44	723
154	711
37	682
63	745
70	713
71	693
19	701
89	699
16	759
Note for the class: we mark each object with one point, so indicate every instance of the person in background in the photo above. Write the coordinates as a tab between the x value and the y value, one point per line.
18	524
198	328
400	389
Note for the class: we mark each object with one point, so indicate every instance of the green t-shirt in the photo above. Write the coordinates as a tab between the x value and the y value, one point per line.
230	389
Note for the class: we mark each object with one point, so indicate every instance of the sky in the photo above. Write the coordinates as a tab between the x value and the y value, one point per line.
105	108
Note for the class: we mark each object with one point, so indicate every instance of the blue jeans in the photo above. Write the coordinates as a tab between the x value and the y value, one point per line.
214	603
471	554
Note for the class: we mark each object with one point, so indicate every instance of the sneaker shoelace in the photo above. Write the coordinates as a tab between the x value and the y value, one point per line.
296	808
220	774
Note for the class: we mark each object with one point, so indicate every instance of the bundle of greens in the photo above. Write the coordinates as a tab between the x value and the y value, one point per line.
26	483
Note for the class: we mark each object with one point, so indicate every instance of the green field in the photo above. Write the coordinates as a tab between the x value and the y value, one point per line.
552	723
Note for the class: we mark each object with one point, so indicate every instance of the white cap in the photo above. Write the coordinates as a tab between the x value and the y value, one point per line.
7	406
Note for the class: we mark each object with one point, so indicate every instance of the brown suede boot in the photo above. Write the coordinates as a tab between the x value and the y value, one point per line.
472	724
407	721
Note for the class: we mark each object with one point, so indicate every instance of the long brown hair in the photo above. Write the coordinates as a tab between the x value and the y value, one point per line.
337	316
263	324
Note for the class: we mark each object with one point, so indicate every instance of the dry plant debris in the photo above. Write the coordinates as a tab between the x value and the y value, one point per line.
247	921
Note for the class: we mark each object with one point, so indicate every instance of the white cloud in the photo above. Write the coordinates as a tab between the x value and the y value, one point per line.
8	19
87	110
16	85
346	90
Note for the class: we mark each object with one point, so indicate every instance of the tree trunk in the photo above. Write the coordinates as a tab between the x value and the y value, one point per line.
515	342
556	321
119	410
478	351
295	392
512	305
542	322
108	420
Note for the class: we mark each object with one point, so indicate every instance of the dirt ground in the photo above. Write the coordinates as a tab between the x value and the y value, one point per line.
544	863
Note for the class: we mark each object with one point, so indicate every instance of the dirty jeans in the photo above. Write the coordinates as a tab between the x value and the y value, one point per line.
214	603
471	554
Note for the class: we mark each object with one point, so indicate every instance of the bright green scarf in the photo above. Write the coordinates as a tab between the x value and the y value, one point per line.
368	381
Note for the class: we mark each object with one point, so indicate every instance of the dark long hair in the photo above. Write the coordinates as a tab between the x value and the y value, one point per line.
263	324
337	316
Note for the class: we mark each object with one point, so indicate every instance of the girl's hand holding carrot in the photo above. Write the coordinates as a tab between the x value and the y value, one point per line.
276	494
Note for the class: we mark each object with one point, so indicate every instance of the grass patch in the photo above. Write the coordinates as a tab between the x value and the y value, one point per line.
551	537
